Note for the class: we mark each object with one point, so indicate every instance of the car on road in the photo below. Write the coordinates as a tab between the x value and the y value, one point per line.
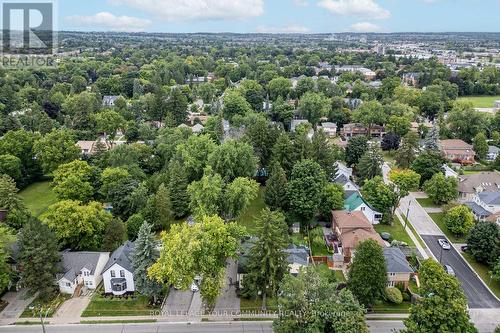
194	287
449	270
444	244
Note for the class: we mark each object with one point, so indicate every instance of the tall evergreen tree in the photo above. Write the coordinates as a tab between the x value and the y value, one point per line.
432	139
40	259
145	256
178	189
275	196
267	263
163	214
325	154
370	164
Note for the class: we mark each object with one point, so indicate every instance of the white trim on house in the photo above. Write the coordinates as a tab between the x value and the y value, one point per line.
121	277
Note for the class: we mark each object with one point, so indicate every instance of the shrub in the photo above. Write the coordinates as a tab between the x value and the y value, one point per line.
394	295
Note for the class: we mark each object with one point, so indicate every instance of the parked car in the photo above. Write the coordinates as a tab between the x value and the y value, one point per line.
449	270
465	248
444	244
385	236
194	287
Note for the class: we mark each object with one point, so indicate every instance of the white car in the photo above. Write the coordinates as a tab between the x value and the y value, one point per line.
194	287
444	244
449	270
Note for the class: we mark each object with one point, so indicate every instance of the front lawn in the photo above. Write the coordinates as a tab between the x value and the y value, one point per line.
101	306
483	271
481	101
427	203
340	276
439	219
397	231
255	305
38	197
387	307
247	219
33	309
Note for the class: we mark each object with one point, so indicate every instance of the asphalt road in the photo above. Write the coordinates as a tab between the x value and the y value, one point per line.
379	326
478	295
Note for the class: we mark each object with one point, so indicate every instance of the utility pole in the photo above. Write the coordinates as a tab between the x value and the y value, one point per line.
407	213
42	317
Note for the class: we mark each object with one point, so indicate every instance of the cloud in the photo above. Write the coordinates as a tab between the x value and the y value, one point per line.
288	29
359	8
365	27
109	21
184	10
301	3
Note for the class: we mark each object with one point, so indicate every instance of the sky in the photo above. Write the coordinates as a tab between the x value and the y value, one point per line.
280	16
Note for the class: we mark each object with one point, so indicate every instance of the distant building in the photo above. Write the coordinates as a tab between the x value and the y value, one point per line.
496	105
109	101
449	172
470	185
411	79
298	257
356	129
89	148
493	152
457	151
330	129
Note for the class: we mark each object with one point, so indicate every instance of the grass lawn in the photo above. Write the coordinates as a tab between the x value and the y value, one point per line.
481	101
38	197
256	304
439	219
397	232
247	219
340	276
112	307
427	202
54	304
483	271
387	307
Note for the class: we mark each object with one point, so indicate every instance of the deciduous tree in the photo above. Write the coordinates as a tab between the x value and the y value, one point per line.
441	189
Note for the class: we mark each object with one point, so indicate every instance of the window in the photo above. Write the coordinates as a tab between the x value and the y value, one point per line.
68	284
113	274
122	273
363	209
90	283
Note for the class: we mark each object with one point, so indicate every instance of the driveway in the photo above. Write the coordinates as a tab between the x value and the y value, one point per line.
418	217
478	296
71	310
182	304
228	301
16	306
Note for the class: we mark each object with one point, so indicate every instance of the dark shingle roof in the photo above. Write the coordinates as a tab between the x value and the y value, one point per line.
476	209
490	198
122	256
297	255
396	261
73	262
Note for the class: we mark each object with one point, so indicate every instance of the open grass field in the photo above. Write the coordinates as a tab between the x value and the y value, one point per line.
481	101
113	307
439	220
38	197
484	272
247	219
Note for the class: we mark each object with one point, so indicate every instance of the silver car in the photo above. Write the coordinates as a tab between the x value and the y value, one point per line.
449	270
444	244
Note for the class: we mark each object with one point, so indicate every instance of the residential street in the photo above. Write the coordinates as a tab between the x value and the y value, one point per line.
478	295
418	217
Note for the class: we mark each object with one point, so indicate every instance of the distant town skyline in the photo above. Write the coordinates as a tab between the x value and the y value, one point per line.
280	16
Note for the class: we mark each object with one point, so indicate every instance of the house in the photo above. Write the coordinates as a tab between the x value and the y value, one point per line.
457	151
296	228
89	148
346	183
342	169
330	129
351	228
449	172
496	105
298	257
493	152
484	204
479	212
494	218
80	270
118	274
296	122
469	185
398	268
356	203
109	101
411	79
355	129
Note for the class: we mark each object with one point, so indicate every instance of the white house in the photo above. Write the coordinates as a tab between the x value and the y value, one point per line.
489	201
346	183
330	129
493	152
118	274
449	172
342	169
354	202
81	270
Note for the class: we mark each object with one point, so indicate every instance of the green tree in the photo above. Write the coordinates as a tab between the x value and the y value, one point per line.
206	195
313	107
112	178
481	145
74	181
459	220
282	153
6	241
162	213
370	164
39	256
11	165
356	147
143	257
407	151
194	154
235	104
178	185
134	223
406	180
261	134
399	125
176	106
368	273
305	85
56	148
312	303
465	123
276	185
427	164
325	154
383	197
267	261
17	213
443	307
253	93
282	112
237	197
199	250
233	159
114	235
369	114
109	122
332	199
484	242
441	189
305	189
78	226
279	87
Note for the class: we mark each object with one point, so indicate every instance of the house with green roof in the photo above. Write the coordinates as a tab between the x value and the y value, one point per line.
354	202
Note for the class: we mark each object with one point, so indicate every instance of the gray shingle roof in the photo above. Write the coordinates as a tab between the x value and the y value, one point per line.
73	262
396	261
122	256
476	209
297	255
341	180
490	198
